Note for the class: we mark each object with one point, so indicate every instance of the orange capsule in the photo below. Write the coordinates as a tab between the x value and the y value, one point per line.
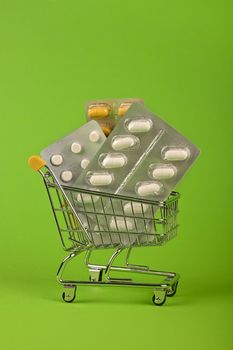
99	111
123	108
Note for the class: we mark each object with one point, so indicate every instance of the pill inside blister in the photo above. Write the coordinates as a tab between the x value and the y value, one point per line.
99	178
106	128
84	163
76	147
147	188
132	208
120	143
120	224
175	153
112	160
56	159
162	171
123	108
87	198
66	176
139	125
101	110
94	136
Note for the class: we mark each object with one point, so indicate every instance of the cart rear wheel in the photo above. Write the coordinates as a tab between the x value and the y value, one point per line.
159	297
172	291
69	294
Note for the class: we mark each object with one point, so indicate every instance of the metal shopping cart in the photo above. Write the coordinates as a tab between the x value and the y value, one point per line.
81	229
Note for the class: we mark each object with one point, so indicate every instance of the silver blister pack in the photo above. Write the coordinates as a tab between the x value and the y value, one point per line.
70	155
143	157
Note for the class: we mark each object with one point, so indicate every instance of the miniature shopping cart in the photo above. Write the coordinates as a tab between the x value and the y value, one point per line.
81	229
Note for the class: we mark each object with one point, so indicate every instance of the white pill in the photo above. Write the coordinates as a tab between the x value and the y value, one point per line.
139	125
98	179
135	208
124	142
87	198
120	224
66	176
57	159
76	147
176	154
149	188
94	136
114	161
84	163
164	172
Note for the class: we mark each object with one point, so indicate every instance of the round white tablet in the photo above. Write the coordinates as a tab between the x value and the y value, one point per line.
94	136
57	159
76	147
84	163
66	176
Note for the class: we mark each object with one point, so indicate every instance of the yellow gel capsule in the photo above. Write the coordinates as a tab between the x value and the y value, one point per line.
99	111
123	108
106	128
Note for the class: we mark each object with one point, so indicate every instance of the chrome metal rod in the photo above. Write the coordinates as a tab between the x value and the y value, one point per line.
142	267
64	264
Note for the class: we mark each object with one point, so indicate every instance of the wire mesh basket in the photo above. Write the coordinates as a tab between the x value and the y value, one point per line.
88	220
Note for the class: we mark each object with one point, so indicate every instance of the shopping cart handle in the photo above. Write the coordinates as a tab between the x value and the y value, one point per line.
36	162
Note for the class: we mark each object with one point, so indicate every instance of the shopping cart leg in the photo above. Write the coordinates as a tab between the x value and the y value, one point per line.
96	272
69	286
109	268
143	267
160	294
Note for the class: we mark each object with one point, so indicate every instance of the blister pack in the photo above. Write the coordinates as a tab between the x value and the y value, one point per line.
143	157
70	155
107	112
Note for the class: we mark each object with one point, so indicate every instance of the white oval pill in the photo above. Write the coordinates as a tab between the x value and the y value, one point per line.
175	154
84	163
87	198
120	224
135	208
149	188
66	176
57	159
94	136
113	161
100	179
124	142
76	147
163	172
139	125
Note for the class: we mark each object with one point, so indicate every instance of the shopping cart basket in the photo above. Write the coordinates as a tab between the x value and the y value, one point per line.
81	229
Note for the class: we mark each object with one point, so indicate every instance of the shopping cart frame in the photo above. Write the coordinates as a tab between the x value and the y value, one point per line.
99	274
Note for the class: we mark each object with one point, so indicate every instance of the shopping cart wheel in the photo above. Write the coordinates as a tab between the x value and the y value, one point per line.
69	294
172	291
159	297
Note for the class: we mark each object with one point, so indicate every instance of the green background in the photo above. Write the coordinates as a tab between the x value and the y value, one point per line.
177	55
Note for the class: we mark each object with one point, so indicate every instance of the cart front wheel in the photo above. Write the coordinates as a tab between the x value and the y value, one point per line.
159	297
69	294
172	291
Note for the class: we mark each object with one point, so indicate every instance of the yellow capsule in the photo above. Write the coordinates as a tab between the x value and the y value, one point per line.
106	128
99	111
123	108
